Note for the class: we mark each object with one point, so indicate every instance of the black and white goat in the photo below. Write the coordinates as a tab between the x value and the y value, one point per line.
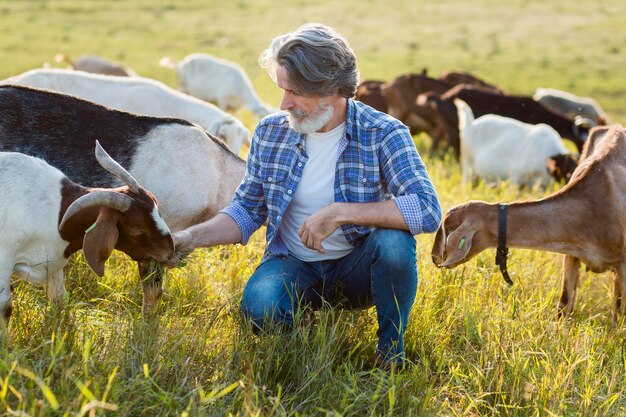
138	95
571	105
45	218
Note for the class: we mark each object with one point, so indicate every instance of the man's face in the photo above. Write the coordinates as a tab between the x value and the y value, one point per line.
306	114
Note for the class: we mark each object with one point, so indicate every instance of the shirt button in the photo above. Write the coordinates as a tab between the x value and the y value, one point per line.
288	191
269	179
299	164
278	218
364	180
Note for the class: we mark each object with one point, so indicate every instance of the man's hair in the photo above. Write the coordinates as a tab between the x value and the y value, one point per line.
317	61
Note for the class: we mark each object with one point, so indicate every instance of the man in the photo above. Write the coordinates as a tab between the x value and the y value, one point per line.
322	173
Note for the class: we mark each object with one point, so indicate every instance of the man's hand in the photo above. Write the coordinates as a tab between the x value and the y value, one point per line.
182	247
183	241
319	226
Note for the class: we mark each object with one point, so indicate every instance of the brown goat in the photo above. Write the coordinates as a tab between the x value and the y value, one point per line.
95	64
368	92
463	77
400	95
585	220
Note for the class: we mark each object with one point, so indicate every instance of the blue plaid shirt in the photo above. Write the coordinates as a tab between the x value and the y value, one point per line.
377	160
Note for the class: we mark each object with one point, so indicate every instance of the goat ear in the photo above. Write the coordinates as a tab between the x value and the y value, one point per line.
551	165
458	245
99	242
439	247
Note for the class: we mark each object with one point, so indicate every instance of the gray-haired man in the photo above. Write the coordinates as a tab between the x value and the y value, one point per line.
343	191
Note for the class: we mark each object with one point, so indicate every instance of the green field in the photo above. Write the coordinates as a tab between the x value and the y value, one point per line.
476	346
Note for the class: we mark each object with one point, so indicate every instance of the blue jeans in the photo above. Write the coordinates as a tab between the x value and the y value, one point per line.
380	272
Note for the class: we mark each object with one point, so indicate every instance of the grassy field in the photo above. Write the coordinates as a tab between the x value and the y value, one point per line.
476	346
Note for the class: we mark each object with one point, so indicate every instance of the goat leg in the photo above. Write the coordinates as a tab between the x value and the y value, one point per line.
55	287
571	273
6	304
151	275
619	292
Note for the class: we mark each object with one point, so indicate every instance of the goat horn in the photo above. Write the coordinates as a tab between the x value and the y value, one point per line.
107	198
116	169
584	121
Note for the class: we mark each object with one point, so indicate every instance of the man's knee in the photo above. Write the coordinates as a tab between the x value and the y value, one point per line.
393	247
266	301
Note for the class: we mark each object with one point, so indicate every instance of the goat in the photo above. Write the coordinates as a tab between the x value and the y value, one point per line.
400	95
218	81
585	220
483	101
562	166
96	65
570	105
464	77
138	95
192	174
499	148
45	218
369	93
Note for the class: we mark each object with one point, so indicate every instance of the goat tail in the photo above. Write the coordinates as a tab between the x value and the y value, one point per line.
428	99
168	62
466	116
64	59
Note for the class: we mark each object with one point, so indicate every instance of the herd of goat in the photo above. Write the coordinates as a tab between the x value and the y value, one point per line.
183	146
497	136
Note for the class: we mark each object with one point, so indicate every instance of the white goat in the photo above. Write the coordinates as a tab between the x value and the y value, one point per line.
499	148
218	81
96	65
138	95
45	217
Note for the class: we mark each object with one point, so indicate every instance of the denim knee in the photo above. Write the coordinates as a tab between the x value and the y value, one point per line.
394	248
394	284
267	300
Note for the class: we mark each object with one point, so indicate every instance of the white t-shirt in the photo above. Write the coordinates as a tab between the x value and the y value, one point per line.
315	191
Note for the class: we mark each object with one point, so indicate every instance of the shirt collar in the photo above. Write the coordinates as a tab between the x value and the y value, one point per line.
351	125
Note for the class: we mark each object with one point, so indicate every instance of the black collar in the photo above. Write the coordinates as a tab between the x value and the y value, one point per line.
502	252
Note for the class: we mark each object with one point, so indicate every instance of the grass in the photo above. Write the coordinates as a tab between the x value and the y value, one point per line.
476	346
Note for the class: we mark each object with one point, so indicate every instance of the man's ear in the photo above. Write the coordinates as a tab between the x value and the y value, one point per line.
100	241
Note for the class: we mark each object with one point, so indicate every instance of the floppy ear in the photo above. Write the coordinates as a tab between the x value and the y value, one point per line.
439	247
458	245
552	165
99	242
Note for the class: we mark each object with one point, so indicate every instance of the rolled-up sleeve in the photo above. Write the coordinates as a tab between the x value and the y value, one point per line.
409	182
248	208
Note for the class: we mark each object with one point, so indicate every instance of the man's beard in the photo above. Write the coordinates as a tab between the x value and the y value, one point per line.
303	122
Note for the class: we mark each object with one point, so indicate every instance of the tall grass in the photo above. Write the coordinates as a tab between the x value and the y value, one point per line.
476	347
